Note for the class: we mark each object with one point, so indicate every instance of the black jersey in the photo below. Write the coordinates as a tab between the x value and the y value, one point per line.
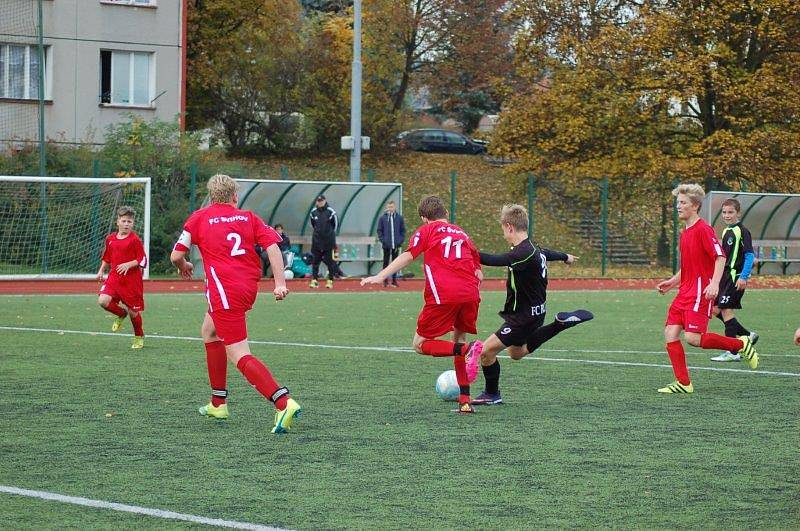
526	286
736	242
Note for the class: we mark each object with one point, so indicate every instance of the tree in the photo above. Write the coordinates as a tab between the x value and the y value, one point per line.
703	90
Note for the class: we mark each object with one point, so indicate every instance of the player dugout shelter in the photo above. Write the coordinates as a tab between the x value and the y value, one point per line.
774	224
358	206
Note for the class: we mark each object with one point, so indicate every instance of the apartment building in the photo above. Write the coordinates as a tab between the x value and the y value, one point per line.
103	60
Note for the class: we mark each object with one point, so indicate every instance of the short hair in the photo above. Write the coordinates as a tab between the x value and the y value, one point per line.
734	203
432	207
516	216
222	188
694	192
277	226
126	211
390	202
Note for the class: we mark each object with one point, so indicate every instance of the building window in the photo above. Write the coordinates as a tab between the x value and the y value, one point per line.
130	2
19	71
126	78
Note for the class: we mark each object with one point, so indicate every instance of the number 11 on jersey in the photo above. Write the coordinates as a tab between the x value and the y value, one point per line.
448	243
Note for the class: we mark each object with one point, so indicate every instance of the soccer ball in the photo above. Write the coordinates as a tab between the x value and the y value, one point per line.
447	386
288	274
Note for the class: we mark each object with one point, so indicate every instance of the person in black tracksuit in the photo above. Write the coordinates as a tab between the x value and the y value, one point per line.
523	329
323	241
391	234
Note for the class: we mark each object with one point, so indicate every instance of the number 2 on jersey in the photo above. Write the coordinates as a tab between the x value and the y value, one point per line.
448	243
237	242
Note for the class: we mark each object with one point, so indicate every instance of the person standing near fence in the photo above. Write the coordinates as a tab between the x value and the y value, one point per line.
323	241
391	234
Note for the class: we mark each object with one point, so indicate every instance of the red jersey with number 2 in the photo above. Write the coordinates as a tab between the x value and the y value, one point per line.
449	264
699	248
226	237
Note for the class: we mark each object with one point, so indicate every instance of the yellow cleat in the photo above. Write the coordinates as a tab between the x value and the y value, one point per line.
329	284
138	342
283	419
117	324
677	388
748	352
219	412
313	284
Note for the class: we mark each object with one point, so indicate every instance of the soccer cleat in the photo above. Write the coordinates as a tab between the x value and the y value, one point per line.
748	352
465	408
313	284
574	318
754	337
487	399
138	342
677	388
395	284
727	356
283	419
219	412
117	324
329	284
473	359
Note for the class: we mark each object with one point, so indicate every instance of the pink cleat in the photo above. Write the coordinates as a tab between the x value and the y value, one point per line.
473	360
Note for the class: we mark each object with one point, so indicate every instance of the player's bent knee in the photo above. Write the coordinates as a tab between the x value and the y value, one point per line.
693	339
517	353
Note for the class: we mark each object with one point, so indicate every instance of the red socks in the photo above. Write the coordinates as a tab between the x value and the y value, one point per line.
718	342
678	358
217	362
440	348
138	331
259	377
460	365
116	309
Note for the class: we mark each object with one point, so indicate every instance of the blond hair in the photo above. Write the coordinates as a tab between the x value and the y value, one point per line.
694	192
126	211
222	188
516	216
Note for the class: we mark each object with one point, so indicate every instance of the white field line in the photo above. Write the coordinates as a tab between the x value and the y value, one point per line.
398	349
135	509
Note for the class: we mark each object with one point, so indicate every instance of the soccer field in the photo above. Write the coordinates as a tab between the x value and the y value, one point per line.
582	441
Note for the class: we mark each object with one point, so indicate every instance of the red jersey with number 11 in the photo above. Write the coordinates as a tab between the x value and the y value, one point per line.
226	237
450	263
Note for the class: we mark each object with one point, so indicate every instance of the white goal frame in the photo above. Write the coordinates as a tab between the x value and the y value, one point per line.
88	180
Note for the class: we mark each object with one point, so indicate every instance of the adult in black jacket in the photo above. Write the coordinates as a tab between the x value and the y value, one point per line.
323	241
391	233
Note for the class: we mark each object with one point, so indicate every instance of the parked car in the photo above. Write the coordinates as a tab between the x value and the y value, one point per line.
439	141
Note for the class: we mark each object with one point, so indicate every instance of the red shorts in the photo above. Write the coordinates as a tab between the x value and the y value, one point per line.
231	325
436	320
690	320
132	298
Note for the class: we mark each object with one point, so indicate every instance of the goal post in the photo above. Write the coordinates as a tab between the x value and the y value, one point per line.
55	227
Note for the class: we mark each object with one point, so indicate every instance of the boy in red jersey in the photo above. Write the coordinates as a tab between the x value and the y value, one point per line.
124	253
452	271
702	265
227	239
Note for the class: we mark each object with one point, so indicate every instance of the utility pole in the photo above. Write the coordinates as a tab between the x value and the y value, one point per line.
355	96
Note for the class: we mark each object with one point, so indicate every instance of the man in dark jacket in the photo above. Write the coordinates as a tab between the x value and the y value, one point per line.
391	233
323	241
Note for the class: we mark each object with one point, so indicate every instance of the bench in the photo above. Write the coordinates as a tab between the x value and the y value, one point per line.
348	248
776	252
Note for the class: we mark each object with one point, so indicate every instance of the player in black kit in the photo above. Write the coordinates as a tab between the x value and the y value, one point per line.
523	329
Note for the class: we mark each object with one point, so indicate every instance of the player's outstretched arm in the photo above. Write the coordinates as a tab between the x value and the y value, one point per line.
558	256
403	260
666	285
178	259
496	260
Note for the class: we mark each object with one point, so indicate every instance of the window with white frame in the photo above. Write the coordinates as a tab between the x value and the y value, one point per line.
19	71
126	78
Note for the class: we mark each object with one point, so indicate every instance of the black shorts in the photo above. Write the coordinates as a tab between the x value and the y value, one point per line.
729	297
516	333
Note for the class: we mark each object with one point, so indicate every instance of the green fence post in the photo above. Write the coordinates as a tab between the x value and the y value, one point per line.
192	187
95	168
453	178
531	203
675	230
604	224
370	176
284	173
